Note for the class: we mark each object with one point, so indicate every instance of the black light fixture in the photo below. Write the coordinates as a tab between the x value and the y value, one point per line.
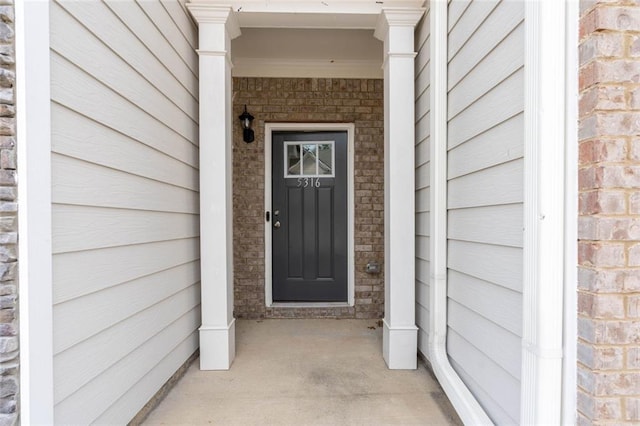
247	132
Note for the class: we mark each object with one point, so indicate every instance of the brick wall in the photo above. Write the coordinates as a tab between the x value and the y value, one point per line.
609	209
313	100
8	222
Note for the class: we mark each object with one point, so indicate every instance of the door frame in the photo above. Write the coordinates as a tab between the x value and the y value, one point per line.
269	128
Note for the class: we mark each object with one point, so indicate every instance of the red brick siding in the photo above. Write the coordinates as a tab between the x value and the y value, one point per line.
609	213
312	100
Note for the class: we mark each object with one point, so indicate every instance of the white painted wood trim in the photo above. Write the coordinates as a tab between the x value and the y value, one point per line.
543	275
34	192
396	28
463	401
302	7
217	26
269	128
306	68
569	367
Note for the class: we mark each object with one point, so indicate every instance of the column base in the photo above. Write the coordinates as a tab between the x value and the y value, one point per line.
217	346
400	346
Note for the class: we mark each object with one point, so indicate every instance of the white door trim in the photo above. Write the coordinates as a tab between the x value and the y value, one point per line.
341	127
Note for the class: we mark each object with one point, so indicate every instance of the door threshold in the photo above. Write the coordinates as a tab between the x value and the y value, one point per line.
309	305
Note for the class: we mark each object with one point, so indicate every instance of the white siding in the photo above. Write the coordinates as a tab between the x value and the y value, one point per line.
485	196
422	182
125	219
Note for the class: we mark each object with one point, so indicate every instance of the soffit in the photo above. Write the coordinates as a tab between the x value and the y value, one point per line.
285	52
307	44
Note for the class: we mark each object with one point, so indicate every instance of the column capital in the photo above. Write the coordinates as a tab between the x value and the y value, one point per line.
207	13
397	17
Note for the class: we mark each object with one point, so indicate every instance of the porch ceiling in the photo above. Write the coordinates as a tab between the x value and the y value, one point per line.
337	42
287	52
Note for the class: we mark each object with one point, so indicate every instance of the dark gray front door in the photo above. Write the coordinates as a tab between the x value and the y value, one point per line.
309	216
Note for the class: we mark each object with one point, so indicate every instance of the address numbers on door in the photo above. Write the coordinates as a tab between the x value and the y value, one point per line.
309	182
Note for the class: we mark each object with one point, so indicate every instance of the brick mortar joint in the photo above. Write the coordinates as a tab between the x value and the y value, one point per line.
609	242
607	60
605	321
595	111
605	346
629	162
596	294
599	111
599	31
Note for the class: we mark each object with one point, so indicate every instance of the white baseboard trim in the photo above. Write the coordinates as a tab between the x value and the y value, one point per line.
400	346
217	346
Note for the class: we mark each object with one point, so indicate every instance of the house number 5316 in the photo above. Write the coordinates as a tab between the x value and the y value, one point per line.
306	182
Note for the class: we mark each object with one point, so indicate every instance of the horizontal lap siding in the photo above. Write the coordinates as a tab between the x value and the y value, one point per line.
485	196
423	107
125	203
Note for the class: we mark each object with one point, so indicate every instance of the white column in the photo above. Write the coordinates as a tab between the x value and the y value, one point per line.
400	335
217	27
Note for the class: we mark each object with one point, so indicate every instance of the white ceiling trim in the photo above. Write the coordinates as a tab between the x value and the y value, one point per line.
314	6
306	68
346	14
306	20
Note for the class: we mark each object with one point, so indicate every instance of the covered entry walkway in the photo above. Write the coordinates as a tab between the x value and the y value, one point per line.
306	372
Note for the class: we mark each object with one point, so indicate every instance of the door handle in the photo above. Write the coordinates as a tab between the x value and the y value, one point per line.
276	224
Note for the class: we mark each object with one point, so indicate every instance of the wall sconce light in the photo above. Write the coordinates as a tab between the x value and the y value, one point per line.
247	132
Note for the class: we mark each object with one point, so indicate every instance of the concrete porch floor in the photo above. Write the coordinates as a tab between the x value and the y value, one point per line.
304	372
